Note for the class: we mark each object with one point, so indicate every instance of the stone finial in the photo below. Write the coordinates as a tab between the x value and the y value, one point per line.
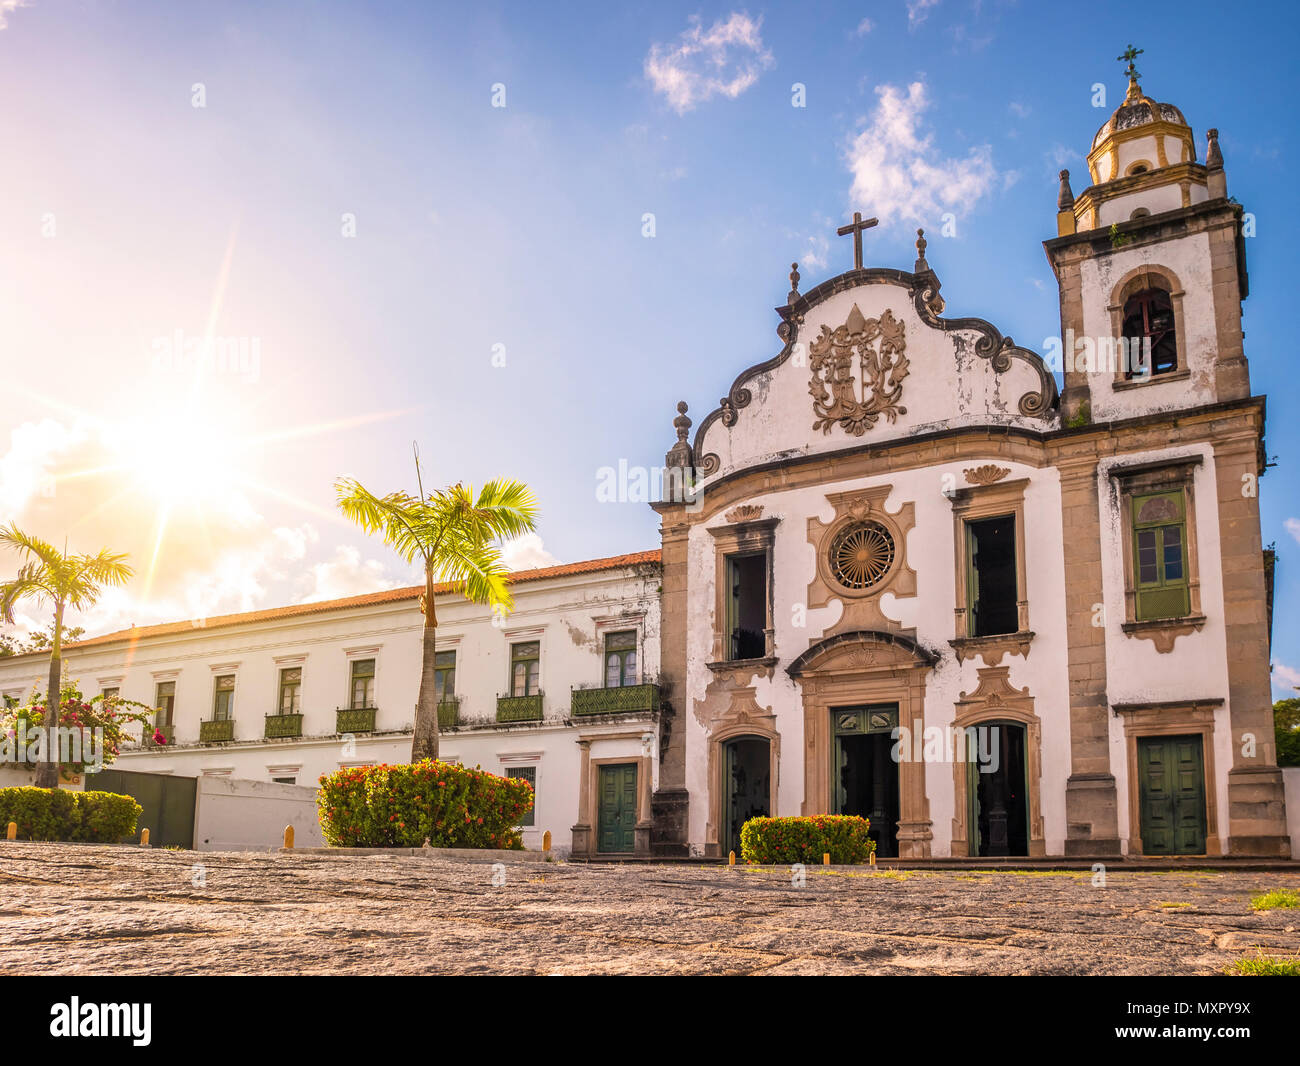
682	422
794	283
679	454
1065	198
1213	155
1216	182
921	265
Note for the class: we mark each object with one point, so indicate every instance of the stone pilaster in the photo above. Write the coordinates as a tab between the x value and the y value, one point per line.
1091	801
1256	804
669	805
1227	271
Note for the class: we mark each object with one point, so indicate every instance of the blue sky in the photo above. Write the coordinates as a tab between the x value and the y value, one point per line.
129	214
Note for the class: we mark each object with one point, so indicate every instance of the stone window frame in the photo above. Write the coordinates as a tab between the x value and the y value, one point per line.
1137	280
1172	718
524	635
741	538
1141	479
606	624
972	504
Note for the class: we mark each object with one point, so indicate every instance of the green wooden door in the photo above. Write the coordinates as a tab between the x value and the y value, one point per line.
1171	795
616	828
168	803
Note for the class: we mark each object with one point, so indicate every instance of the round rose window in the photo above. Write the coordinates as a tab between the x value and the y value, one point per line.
861	555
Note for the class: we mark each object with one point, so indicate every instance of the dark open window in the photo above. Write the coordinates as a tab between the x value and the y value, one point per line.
991	578
747	605
1149	325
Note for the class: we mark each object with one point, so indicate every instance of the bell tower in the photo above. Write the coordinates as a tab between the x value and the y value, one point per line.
1150	261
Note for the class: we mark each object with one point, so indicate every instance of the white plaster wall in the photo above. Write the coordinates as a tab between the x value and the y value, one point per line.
1291	789
233	814
1157	199
931	553
1189	259
947	386
1197	668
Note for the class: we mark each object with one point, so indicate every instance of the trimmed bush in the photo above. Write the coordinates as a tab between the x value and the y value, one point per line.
806	840
401	806
106	817
91	817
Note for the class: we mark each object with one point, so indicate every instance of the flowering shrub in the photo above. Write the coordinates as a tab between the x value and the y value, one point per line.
100	722
806	840
58	814
401	806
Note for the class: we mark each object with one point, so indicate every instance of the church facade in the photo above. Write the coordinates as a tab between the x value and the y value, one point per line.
903	576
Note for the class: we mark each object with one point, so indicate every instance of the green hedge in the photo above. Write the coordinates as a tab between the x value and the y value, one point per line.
401	806
60	814
806	840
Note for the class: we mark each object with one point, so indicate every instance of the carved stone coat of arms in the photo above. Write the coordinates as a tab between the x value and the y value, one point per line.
866	349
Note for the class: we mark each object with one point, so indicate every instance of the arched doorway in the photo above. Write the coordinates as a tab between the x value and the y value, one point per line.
865	773
746	785
997	790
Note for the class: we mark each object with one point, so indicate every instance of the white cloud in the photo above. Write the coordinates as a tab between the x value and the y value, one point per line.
918	11
347	574
6	8
1286	679
816	254
527	553
1292	526
724	60
1019	110
897	172
864	27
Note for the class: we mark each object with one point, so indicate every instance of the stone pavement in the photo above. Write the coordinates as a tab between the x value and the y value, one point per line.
125	910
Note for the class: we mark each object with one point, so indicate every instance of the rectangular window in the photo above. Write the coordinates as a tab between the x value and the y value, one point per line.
12	701
620	659
1160	556
285	780
444	675
529	774
111	691
223	699
747	605
525	668
291	690
165	702
992	596
363	684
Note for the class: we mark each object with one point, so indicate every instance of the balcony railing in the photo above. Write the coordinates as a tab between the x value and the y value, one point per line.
283	725
168	731
217	732
519	708
625	700
354	720
449	712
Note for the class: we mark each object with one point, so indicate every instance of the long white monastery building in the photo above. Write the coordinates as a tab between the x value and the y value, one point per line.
914	581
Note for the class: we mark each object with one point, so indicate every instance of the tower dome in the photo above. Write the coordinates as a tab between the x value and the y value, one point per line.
1141	135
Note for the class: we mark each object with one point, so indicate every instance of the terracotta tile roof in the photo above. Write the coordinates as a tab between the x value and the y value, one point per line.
412	592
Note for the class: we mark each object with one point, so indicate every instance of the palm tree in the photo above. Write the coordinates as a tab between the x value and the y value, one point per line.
48	575
453	533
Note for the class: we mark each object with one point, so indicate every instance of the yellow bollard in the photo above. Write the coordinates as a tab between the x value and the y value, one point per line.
873	859
546	841
826	858
13	831
731	858
144	838
288	836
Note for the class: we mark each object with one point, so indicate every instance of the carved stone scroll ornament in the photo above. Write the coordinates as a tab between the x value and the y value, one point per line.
872	348
988	474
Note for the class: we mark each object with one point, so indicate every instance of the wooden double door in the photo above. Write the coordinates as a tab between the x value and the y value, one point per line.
1171	795
616	813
